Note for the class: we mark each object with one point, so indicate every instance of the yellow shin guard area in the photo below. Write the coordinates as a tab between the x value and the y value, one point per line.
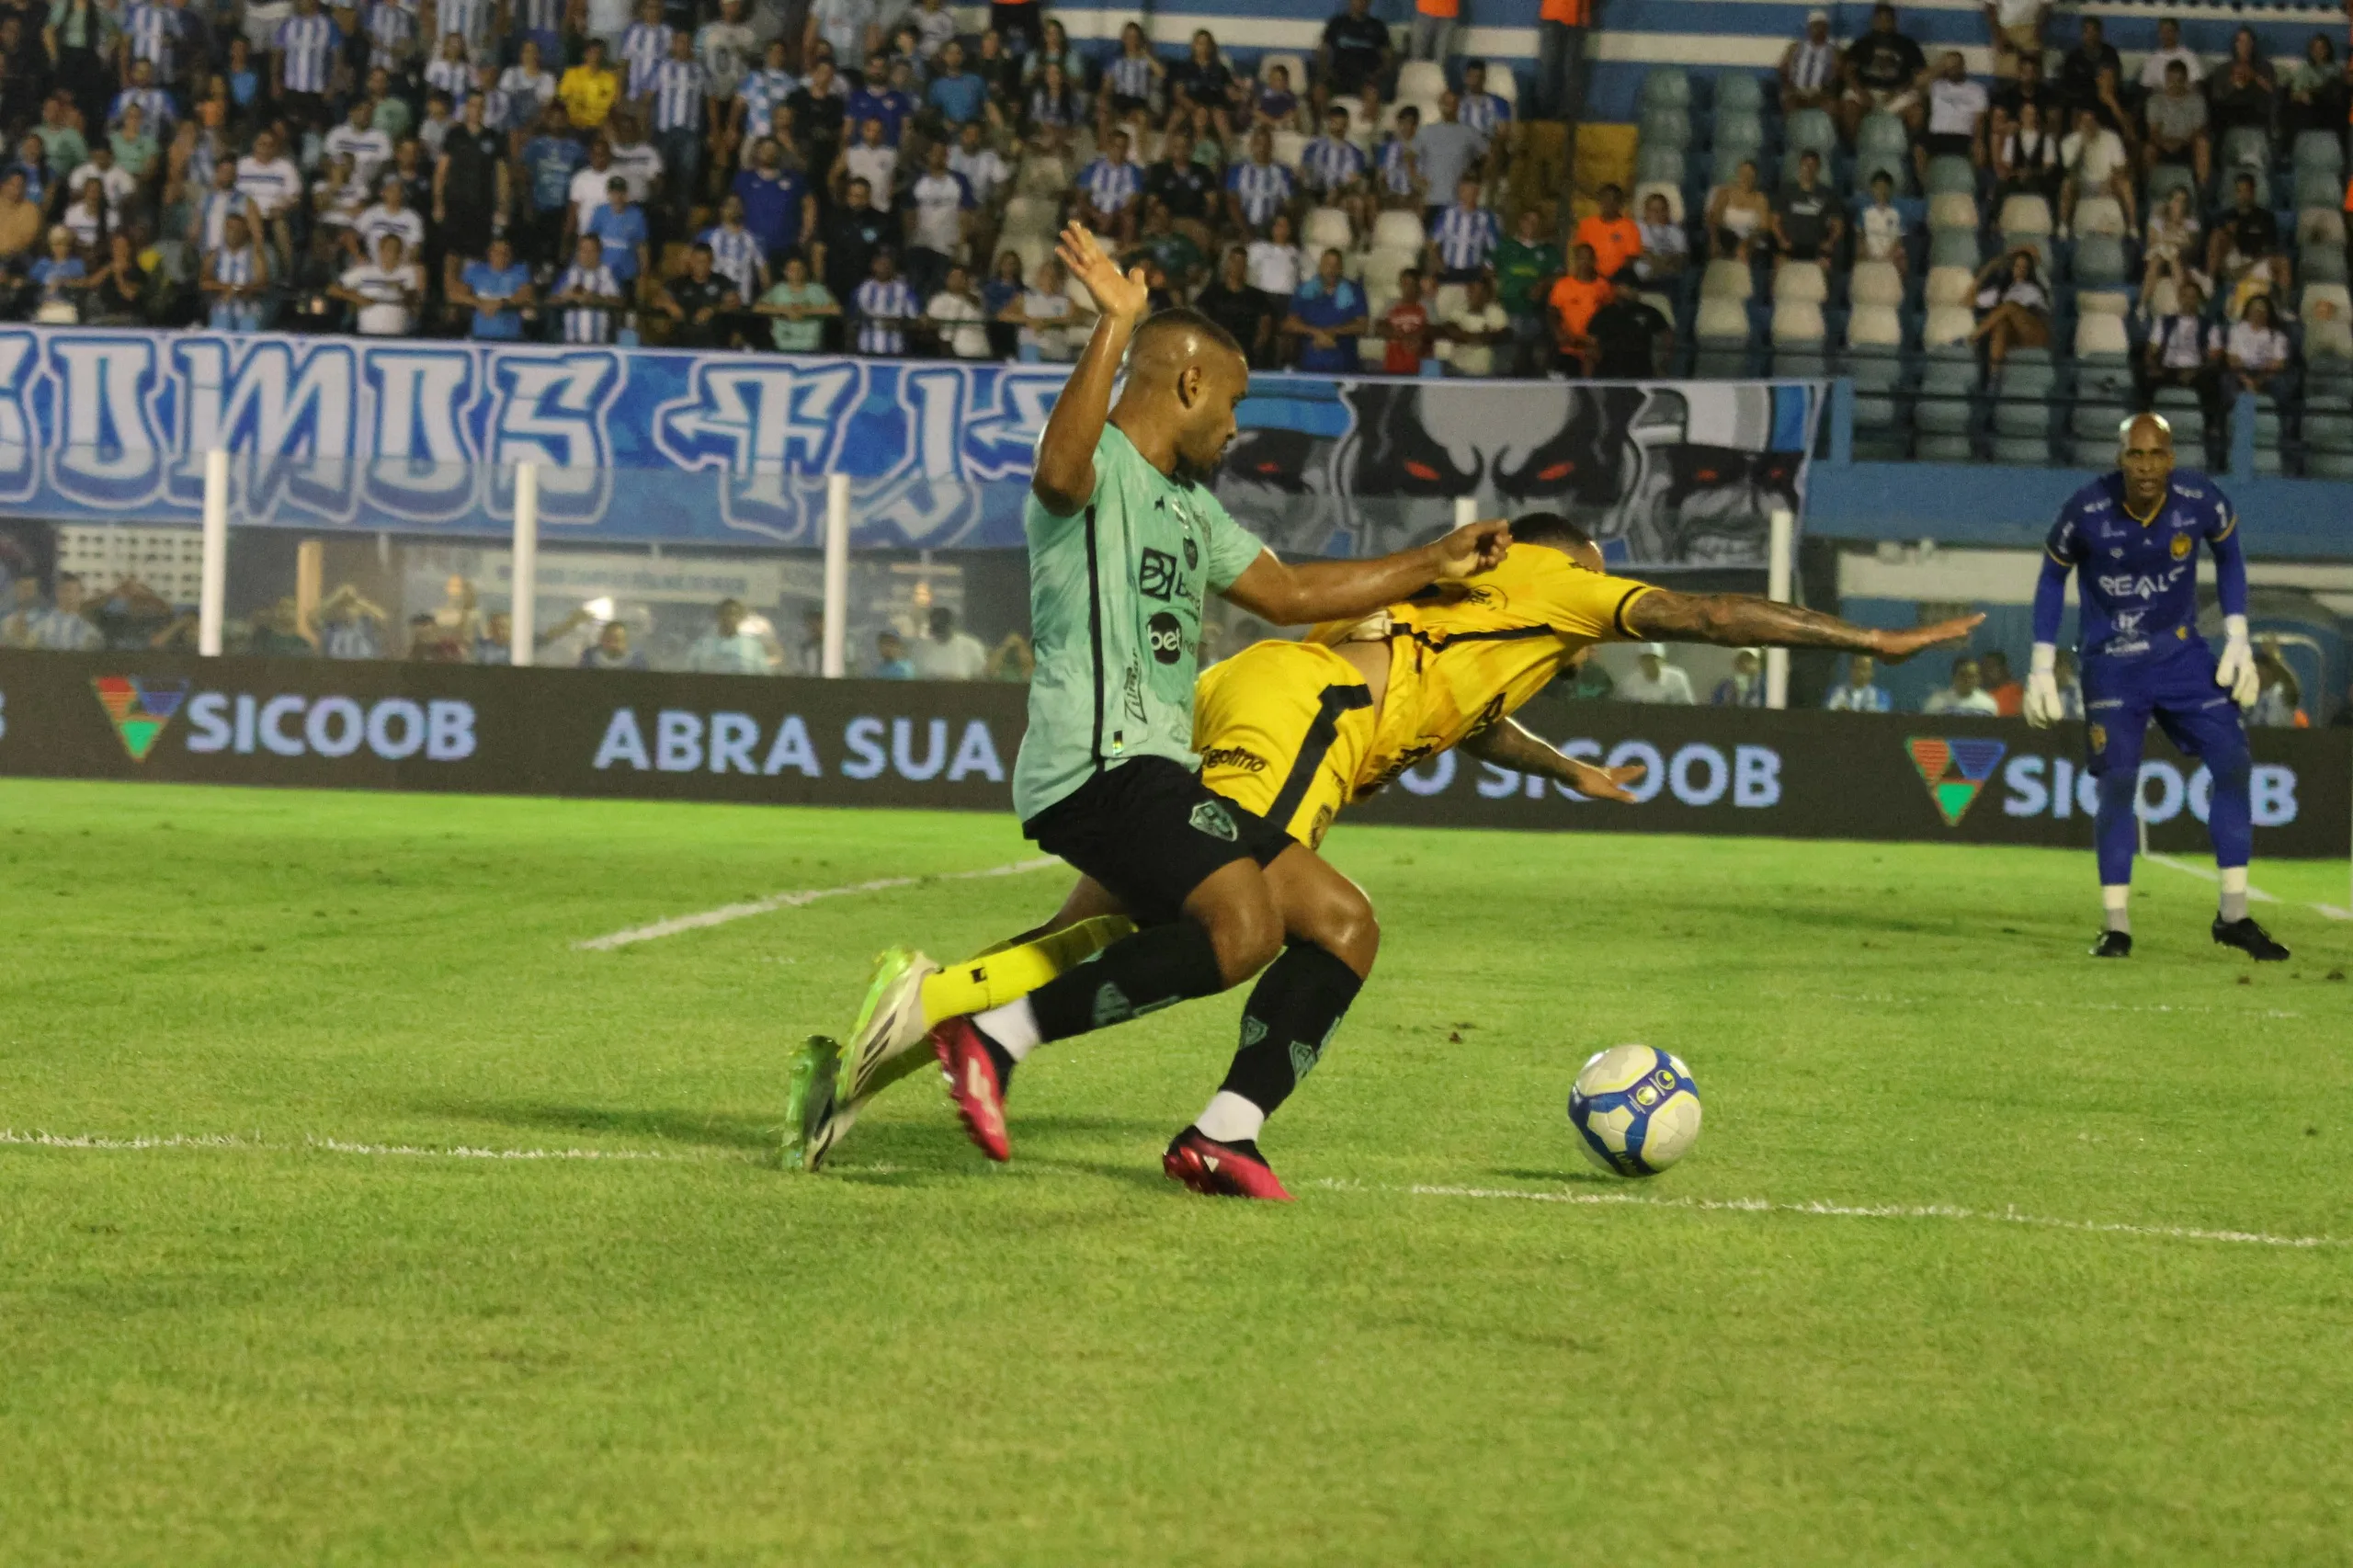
997	976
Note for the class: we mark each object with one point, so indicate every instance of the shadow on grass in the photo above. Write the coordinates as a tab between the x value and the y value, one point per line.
672	1126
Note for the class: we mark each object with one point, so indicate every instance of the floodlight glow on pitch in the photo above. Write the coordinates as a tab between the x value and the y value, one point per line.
1635	1109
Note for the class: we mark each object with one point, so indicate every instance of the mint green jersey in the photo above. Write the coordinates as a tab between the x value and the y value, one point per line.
1115	615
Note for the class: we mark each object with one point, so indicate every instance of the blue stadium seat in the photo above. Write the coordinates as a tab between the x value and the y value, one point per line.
1738	90
1743	128
1665	128
1950	173
2321	263
2166	179
2318	186
2319	150
1661	166
1666	86
2100	261
1954	247
1810	128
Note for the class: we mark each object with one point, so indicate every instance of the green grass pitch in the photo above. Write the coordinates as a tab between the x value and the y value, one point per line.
327	1338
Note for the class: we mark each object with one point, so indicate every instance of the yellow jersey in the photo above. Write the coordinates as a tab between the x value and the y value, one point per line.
1465	654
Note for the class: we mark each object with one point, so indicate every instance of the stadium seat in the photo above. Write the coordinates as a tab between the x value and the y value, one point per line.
1950	173
1875	283
2226	185
1810	130
1801	281
2163	299
1664	86
1394	230
1659	165
2319	150
1665	128
2099	260
1954	247
2166	179
2027	214
2097	421
1948	325
1870	165
1031	215
1738	90
1882	133
1724	162
2183	411
1875	326
1502	81
2100	334
2244	147
2104	302
1727	280
2045	249
1382	264
2317	294
1797	322
1042	173
2028	450
2096	215
1950	286
1297	66
1721	322
1672	192
1288	147
1742	129
2328	426
2029	373
2317	188
1951	210
1327	228
2320	226
1424	80
1873	412
2321	263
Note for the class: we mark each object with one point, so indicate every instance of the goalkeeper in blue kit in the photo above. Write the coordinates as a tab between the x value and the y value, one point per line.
2131	541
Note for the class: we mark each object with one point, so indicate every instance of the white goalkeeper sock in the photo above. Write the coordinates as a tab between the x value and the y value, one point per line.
1231	1118
2234	893
1013	1026
2119	901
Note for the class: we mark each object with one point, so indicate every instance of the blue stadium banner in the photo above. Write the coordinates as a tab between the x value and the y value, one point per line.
641	445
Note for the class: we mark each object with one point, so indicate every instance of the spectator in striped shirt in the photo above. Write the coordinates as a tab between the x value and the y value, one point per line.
884	304
305	47
1462	243
1128	82
472	20
1810	67
1258	187
142	93
589	294
760	98
1484	112
529	88
1054	109
449	71
236	278
1397	168
391	35
152	31
1332	167
680	91
736	253
1107	189
644	46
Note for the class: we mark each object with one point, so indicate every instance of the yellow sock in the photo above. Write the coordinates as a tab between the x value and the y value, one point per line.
996	977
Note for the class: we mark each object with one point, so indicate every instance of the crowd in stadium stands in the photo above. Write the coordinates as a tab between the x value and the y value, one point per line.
2094	240
700	173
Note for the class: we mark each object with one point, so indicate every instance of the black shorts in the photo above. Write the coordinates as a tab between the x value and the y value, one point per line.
1151	832
1949	144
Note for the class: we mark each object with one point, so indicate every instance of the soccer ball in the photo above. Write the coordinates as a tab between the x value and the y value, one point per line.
1635	1108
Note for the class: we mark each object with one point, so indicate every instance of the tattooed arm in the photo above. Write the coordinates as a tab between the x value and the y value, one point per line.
1739	621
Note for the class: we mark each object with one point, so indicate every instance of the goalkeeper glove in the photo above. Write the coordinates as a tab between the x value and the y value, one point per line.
2043	708
2237	672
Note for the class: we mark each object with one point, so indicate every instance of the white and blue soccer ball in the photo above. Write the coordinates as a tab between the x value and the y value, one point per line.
1635	1109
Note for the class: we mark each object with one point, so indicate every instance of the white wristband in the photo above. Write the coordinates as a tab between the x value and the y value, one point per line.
2046	658
2234	628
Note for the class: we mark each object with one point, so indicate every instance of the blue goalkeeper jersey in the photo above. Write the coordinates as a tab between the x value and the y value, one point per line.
2136	579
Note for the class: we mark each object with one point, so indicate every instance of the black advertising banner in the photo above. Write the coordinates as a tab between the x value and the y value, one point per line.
395	726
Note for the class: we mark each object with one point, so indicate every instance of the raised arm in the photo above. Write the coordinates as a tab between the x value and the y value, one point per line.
1288	595
1065	476
1740	621
1508	744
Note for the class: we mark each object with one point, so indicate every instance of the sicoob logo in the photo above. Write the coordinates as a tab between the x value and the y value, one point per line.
139	710
1954	771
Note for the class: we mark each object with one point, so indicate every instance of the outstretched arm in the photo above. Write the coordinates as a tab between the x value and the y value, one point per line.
1064	475
1740	621
1507	742
1297	594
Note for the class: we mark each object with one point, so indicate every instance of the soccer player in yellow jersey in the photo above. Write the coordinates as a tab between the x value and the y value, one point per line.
1294	732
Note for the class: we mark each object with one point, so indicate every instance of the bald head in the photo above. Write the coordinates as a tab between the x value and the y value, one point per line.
1186	378
1177	338
2144	457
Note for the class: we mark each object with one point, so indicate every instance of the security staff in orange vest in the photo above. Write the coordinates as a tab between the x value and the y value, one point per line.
1561	30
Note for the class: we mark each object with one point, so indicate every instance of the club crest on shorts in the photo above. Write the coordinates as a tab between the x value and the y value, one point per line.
2181	547
2097	733
1213	819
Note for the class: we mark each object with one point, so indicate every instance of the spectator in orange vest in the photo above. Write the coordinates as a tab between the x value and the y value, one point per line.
1573	300
1561	30
1615	238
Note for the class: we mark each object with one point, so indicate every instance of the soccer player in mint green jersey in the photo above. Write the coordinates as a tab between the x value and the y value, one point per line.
1125	543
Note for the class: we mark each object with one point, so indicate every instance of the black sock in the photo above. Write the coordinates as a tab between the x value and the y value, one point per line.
1134	977
1291	1017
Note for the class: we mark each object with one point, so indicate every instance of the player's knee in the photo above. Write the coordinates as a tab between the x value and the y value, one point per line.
1349	930
1245	931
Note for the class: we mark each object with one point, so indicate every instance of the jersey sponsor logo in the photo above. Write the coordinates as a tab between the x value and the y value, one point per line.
1235	757
1165	634
1213	819
139	708
1955	771
1156	574
2146	587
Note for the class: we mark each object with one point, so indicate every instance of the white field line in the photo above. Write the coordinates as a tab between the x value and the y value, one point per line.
1855	1211
1576	1200
773	901
2255	894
